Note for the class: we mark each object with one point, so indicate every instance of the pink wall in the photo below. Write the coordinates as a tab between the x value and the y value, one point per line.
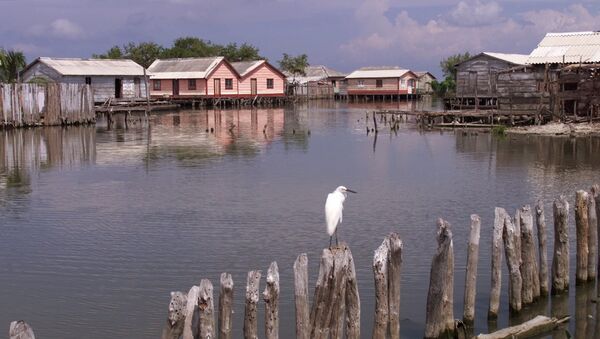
390	85
261	74
222	72
184	88
166	87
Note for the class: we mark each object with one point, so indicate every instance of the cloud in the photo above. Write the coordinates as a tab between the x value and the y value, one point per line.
59	28
476	13
469	26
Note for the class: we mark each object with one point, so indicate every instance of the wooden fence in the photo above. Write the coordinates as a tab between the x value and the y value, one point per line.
50	104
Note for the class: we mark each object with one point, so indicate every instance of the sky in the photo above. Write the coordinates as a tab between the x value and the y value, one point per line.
342	34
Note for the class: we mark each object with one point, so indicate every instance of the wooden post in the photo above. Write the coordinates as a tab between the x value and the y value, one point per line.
190	326
541	227
592	236
338	304
532	328
250	314
595	192
560	261
147	94
582	227
395	264
271	298
206	310
329	291
512	261
471	275
174	326
352	301
226	307
380	271
439	318
301	297
496	262
529	273
20	330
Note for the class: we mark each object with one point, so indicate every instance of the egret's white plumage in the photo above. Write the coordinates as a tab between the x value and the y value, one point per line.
334	206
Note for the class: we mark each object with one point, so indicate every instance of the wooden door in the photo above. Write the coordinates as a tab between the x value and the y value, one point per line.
175	87
137	87
217	87
253	86
118	88
472	83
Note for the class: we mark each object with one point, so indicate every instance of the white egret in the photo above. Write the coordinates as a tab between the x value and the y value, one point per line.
333	211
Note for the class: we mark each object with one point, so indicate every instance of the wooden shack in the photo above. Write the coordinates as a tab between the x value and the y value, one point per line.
424	82
476	78
318	82
108	78
381	83
579	92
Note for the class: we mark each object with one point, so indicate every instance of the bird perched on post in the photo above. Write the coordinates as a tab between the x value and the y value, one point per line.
333	211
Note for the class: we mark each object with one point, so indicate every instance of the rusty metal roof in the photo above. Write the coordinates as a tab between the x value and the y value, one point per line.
183	68
572	47
87	67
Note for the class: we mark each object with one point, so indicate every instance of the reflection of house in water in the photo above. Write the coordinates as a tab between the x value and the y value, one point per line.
23	153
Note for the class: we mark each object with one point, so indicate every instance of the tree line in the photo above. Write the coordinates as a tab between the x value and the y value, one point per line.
11	63
448	66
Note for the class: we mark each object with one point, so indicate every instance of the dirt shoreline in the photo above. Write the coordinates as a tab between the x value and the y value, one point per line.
558	129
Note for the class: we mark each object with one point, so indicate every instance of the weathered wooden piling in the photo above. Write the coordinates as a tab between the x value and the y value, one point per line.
329	291
532	328
301	297
271	298
512	262
176	318
592	237
541	228
595	193
352	301
582	229
560	260
190	327
439	318
226	307
380	271
206	310
529	274
499	215
338	305
394	267
471	275
251	309
20	330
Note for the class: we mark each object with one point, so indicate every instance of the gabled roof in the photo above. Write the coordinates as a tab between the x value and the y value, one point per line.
515	59
88	67
316	73
245	67
183	68
423	73
378	72
571	47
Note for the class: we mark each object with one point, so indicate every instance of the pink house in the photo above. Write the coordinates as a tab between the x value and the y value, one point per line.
259	78
382	81
214	77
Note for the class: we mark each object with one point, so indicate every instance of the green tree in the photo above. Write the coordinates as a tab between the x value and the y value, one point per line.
114	52
144	53
11	63
448	65
188	47
244	52
294	65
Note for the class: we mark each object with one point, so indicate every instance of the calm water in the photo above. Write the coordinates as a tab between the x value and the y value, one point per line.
99	225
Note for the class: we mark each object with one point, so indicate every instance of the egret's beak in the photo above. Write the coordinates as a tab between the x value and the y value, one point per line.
349	190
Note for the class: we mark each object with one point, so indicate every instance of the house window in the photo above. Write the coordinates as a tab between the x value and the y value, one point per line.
270	84
361	83
156	85
228	83
378	83
192	84
402	82
88	80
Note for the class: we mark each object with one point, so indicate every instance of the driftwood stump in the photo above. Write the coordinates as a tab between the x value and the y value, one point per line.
380	271
582	227
471	275
352	301
439	318
176	318
20	330
499	215
206	310
190	327
592	236
529	274
512	262
301	297
560	260
271	298
541	227
394	267
534	327
226	307
251	309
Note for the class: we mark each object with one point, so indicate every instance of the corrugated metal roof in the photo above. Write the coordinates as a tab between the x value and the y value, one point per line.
422	73
183	68
571	47
87	67
378	72
517	59
243	67
315	73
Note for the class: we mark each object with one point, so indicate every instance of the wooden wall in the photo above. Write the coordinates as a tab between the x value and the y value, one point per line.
579	92
45	104
476	77
522	91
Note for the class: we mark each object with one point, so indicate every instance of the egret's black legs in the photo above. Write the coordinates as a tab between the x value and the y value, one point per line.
336	238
